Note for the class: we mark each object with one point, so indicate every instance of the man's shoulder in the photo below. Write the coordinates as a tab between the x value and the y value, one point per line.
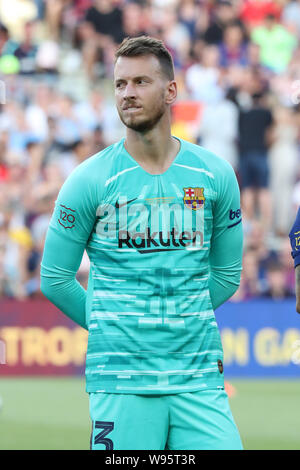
205	158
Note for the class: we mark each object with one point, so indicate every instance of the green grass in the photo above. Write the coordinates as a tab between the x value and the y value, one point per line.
53	413
40	413
267	413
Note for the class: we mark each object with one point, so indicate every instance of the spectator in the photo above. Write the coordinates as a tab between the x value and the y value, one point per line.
254	125
76	154
284	158
249	286
176	37
68	129
15	246
100	31
38	110
276	43
233	48
203	78
193	17
7	46
98	111
223	116
3	151
253	12
47	58
27	50
15	14
223	15
54	14
291	17
277	289
134	23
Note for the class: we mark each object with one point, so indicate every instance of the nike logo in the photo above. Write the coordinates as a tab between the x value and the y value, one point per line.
125	203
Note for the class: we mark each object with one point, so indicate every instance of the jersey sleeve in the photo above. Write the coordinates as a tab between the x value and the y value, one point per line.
227	239
295	240
71	224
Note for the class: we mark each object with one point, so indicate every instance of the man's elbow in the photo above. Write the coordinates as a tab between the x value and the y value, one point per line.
46	288
232	287
233	282
223	289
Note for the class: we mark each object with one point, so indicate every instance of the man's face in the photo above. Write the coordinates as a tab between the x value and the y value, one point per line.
141	91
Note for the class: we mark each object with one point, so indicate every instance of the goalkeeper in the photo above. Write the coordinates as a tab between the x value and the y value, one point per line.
160	220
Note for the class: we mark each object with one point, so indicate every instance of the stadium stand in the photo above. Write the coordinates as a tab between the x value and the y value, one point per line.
238	71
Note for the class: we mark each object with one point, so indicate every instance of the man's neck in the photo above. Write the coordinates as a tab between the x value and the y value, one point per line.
154	150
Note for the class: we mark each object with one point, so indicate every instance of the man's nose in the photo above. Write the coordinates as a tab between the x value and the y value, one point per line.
130	91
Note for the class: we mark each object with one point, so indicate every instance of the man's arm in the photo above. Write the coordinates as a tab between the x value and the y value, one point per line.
70	227
298	288
295	245
227	241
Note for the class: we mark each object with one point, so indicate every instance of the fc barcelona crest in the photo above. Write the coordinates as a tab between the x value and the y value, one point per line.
194	198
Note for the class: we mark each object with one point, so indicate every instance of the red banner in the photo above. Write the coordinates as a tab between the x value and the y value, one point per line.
37	339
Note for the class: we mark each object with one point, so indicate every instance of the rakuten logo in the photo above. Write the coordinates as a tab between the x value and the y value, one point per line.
156	240
151	227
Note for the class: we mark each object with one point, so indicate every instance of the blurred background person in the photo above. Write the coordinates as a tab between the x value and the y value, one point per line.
223	14
254	127
203	77
233	47
284	161
101	31
276	43
276	286
224	116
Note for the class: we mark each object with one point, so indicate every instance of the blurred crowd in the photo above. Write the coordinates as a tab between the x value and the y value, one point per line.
238	61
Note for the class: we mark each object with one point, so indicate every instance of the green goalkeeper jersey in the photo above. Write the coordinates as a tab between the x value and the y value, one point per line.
165	251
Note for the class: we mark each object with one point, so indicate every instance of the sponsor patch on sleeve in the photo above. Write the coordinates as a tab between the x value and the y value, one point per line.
235	217
67	217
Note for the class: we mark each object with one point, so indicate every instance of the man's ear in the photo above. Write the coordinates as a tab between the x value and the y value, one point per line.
171	92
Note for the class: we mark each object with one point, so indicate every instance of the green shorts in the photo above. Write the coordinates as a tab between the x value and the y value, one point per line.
190	421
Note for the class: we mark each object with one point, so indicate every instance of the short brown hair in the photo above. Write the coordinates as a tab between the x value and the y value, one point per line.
146	45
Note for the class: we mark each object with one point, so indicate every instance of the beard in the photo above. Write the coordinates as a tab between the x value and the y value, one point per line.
144	125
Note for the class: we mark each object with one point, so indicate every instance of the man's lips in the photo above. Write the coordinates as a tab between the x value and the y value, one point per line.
131	107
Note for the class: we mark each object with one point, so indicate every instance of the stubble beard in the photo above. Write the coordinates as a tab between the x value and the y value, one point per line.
146	124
